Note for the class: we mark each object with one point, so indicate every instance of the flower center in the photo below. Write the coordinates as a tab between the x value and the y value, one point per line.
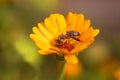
63	40
65	45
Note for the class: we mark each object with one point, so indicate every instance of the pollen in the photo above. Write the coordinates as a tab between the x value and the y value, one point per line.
66	46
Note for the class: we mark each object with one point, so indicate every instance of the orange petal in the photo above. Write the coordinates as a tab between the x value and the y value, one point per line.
73	70
72	59
88	34
46	52
96	32
80	23
82	45
71	20
85	26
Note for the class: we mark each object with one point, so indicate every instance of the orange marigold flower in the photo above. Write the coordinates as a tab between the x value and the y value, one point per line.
64	36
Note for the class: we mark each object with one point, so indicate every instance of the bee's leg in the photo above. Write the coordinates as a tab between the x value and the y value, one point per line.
76	39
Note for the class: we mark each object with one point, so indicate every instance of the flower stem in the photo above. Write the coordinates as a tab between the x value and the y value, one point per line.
62	71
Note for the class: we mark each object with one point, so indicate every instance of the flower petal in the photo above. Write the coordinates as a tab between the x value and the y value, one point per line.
45	32
53	20
73	70
55	23
72	59
82	45
71	20
80	22
50	26
85	26
40	41
46	52
96	32
61	22
89	33
39	34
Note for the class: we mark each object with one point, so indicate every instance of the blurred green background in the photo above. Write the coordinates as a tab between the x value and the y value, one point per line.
19	59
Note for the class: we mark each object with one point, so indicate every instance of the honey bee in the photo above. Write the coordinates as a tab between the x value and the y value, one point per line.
72	34
63	42
63	38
